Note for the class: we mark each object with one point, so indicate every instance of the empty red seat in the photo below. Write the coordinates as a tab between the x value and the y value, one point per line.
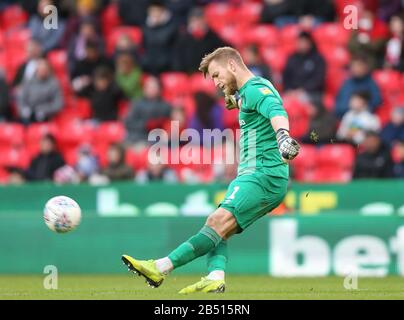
298	116
14	157
13	16
18	39
334	79
3	176
36	131
58	60
110	18
321	175
233	34
109	132
331	33
335	56
175	84
334	156
137	159
262	34
75	133
11	134
305	161
389	82
248	13
220	14
200	83
275	57
383	112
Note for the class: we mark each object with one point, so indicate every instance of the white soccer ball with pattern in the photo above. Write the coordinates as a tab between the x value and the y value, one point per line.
62	214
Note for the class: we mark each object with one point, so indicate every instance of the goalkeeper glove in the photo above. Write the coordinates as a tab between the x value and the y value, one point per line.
288	147
231	101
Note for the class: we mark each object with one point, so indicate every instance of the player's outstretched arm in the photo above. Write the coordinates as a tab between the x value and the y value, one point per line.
288	147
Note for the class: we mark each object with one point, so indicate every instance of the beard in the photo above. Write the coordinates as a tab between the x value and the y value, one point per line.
231	87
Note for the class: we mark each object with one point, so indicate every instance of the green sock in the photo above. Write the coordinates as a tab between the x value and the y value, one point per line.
217	257
198	245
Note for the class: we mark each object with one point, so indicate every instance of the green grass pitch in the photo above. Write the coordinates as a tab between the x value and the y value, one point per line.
243	287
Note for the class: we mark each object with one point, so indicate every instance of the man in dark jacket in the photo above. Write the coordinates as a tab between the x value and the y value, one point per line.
159	34
196	41
360	80
305	69
44	165
375	160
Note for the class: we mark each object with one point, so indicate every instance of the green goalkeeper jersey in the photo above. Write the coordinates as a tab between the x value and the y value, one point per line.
260	102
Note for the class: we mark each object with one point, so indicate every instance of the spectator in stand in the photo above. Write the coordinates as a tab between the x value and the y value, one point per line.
117	169
4	99
16	176
208	114
40	98
387	8
133	13
394	129
279	12
128	76
45	164
78	13
358	120
26	70
125	44
157	170
105	95
375	160
360	80
49	38
159	34
83	70
149	111
313	12
77	46
398	167
323	124
194	42
305	69
254	62
87	163
180	10
370	38
394	56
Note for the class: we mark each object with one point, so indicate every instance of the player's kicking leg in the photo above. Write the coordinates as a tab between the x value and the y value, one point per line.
219	226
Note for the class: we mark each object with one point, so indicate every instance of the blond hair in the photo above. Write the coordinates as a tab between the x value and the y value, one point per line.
220	54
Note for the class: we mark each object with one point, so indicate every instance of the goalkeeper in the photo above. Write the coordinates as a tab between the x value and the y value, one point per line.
262	178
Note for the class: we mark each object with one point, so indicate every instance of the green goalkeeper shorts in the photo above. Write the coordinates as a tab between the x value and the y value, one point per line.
251	196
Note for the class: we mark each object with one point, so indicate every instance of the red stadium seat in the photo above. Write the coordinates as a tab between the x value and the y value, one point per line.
3	176
230	118
200	83
13	16
248	13
263	34
58	60
14	157
389	82
137	159
335	56
233	34
298	116
334	79
288	36
335	156
220	14
329	176
175	84
73	134
305	162
383	112
18	39
331	33
134	33
275	57
11	134
110	18
109	132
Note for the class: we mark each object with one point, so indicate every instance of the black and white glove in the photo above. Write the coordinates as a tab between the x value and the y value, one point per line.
288	147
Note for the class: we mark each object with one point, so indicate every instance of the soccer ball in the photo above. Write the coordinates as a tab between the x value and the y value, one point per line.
62	214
